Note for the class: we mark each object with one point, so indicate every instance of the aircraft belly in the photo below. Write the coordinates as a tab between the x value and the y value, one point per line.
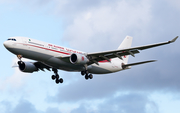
30	54
60	64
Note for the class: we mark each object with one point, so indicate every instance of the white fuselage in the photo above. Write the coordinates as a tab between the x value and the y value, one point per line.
50	55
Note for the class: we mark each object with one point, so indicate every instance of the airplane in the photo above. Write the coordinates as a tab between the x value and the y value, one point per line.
53	57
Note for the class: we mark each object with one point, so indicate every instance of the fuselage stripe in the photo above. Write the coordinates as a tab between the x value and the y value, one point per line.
46	49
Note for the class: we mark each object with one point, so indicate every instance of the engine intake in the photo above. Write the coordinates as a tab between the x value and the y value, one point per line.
78	59
27	67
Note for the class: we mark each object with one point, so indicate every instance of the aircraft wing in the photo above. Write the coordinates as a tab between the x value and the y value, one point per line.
107	55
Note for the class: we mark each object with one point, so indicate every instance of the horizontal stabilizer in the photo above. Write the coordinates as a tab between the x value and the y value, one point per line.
126	65
173	40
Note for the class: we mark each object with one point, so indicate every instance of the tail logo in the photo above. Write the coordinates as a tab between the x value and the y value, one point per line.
124	55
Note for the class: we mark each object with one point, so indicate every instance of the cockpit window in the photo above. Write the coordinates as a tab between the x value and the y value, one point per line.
12	39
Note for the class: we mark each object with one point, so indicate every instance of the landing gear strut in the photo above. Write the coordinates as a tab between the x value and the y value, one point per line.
87	75
19	57
56	77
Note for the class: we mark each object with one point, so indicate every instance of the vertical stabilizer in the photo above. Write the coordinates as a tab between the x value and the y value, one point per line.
126	44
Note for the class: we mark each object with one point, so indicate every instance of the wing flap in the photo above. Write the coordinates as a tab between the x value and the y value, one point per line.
100	57
42	66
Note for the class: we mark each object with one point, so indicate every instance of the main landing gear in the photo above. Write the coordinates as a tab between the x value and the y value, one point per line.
56	76
87	75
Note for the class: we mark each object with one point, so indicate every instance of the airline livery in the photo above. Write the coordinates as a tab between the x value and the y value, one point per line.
53	57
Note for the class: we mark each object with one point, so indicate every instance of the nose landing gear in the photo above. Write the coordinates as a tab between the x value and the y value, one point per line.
19	57
56	76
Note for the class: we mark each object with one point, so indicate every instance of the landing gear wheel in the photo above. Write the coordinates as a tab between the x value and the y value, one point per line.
82	73
61	80
90	76
56	76
57	81
53	77
86	77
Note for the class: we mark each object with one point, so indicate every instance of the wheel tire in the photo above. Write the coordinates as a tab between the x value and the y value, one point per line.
57	81
61	80
86	77
91	76
82	73
53	77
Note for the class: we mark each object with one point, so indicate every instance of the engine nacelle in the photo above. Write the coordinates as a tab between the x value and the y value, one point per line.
78	59
27	67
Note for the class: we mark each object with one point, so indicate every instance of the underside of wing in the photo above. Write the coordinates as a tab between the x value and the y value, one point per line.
64	58
42	66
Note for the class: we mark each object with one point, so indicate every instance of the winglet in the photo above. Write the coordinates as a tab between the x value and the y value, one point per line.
173	40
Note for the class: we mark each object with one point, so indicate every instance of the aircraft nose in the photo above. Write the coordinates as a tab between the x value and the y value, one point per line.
6	44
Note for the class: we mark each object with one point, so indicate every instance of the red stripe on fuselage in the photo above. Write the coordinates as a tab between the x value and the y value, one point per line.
46	49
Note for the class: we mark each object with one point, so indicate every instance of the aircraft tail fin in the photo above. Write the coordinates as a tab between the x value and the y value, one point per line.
127	42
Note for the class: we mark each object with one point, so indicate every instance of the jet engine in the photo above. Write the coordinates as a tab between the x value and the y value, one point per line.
78	59
27	67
